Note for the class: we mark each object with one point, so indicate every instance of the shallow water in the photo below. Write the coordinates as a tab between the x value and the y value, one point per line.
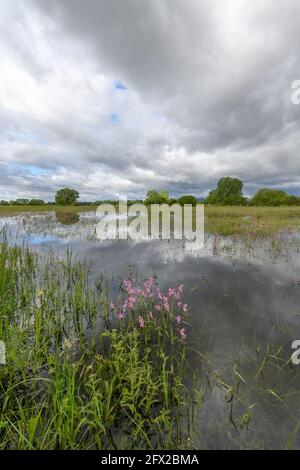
244	301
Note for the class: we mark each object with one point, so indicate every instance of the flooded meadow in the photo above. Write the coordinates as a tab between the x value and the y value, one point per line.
235	310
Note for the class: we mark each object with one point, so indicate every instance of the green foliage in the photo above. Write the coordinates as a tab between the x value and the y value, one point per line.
229	192
172	201
70	384
187	199
131	202
157	197
66	197
106	201
273	197
292	200
36	202
211	198
19	202
23	202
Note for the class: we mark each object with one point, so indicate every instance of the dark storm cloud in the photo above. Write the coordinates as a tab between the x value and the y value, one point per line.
223	66
206	92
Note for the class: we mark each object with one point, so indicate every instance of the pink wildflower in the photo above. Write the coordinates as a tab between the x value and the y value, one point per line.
127	283
129	303
120	315
146	292
171	292
182	333
141	322
183	306
160	295
133	291
178	292
178	319
148	284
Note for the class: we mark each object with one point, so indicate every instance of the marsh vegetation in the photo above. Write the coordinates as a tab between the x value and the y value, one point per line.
143	345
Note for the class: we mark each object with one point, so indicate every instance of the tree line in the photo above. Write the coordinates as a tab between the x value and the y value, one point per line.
229	192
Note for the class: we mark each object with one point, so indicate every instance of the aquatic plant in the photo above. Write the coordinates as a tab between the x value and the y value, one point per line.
83	372
149	308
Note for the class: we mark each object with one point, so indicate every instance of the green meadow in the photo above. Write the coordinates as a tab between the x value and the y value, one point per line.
222	220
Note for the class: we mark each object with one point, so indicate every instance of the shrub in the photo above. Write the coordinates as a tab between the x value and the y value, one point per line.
273	197
188	199
36	202
157	197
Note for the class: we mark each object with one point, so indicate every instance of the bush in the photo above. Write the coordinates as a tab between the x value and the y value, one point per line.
172	201
36	202
19	202
155	197
188	199
292	200
273	197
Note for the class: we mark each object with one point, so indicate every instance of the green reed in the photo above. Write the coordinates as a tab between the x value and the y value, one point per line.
76	377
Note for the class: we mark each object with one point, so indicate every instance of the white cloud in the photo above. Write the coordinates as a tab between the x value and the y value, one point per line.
207	95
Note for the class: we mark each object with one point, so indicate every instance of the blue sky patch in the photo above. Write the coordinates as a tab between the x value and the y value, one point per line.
118	85
115	118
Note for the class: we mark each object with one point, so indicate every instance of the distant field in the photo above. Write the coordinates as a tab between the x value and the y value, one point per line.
253	221
12	210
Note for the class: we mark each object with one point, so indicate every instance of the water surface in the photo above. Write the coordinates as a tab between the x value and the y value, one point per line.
244	302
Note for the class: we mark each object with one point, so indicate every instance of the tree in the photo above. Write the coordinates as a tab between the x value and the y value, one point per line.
292	200
229	192
36	202
66	197
273	197
212	197
187	199
157	197
20	202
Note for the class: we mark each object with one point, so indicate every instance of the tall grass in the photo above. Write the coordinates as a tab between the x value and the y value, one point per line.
82	373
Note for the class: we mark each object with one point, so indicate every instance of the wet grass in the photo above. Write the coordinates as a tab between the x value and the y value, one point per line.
15	210
82	373
259	394
251	221
226	221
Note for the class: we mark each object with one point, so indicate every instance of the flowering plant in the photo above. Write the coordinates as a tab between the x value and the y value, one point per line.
147	306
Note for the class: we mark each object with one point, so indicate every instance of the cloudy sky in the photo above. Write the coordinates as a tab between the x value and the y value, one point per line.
120	96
